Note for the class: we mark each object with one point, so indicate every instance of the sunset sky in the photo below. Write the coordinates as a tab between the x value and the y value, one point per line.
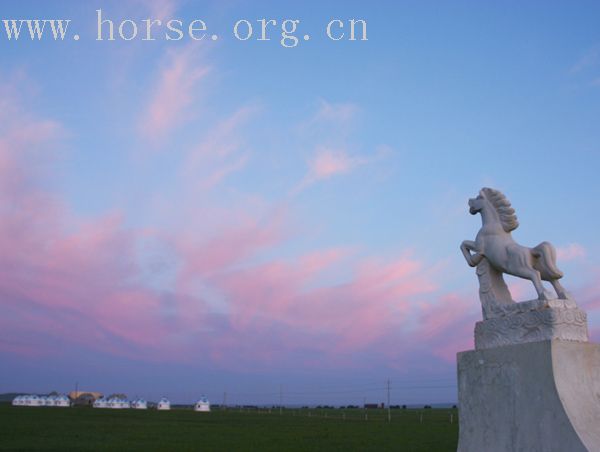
186	218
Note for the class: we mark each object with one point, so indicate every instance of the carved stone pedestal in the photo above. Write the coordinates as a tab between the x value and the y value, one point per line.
537	396
533	381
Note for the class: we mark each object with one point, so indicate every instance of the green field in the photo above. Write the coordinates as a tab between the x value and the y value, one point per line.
27	428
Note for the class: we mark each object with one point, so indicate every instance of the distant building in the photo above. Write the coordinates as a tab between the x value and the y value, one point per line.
84	398
139	404
101	403
35	400
118	403
119	396
202	405
163	404
62	401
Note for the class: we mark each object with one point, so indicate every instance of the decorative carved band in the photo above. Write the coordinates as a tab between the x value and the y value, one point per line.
568	324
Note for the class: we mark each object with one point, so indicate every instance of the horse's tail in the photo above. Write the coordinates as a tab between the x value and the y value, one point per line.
545	261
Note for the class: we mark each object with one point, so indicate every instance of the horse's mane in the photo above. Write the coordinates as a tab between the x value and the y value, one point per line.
508	219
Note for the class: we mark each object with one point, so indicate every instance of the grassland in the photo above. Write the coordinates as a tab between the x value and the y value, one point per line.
27	428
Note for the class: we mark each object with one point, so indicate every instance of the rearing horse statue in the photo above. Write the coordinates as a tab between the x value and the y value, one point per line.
494	243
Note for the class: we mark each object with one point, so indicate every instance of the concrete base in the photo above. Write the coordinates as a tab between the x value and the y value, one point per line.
538	396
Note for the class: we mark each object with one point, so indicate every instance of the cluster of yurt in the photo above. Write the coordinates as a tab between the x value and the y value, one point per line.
163	404
35	400
202	405
115	403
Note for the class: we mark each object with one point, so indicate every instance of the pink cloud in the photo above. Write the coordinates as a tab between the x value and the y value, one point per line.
220	152
81	280
328	163
220	173
335	112
446	327
161	9
151	9
68	281
349	315
61	276
570	252
176	90
224	138
330	129
210	254
588	296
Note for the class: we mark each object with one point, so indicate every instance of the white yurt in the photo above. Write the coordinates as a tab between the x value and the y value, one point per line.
118	403
139	404
50	400
202	405
163	404
34	400
18	401
62	401
100	403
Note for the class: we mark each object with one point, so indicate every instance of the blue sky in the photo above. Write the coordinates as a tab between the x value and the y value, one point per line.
207	208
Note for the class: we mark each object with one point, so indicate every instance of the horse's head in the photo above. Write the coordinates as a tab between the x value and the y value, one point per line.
477	204
494	206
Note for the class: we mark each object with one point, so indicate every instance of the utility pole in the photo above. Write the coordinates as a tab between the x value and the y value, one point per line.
224	400
388	402
280	400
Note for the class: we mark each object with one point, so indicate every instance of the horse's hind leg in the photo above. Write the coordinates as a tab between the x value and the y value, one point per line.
536	279
560	290
520	263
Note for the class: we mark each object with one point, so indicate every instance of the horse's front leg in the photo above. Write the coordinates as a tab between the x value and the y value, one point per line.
472	259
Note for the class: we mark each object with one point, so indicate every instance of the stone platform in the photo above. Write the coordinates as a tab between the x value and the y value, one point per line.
537	396
534	321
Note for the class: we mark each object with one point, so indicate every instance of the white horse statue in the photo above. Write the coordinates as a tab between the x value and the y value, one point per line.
494	243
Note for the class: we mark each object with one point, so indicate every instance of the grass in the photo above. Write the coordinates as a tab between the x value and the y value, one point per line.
28	428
